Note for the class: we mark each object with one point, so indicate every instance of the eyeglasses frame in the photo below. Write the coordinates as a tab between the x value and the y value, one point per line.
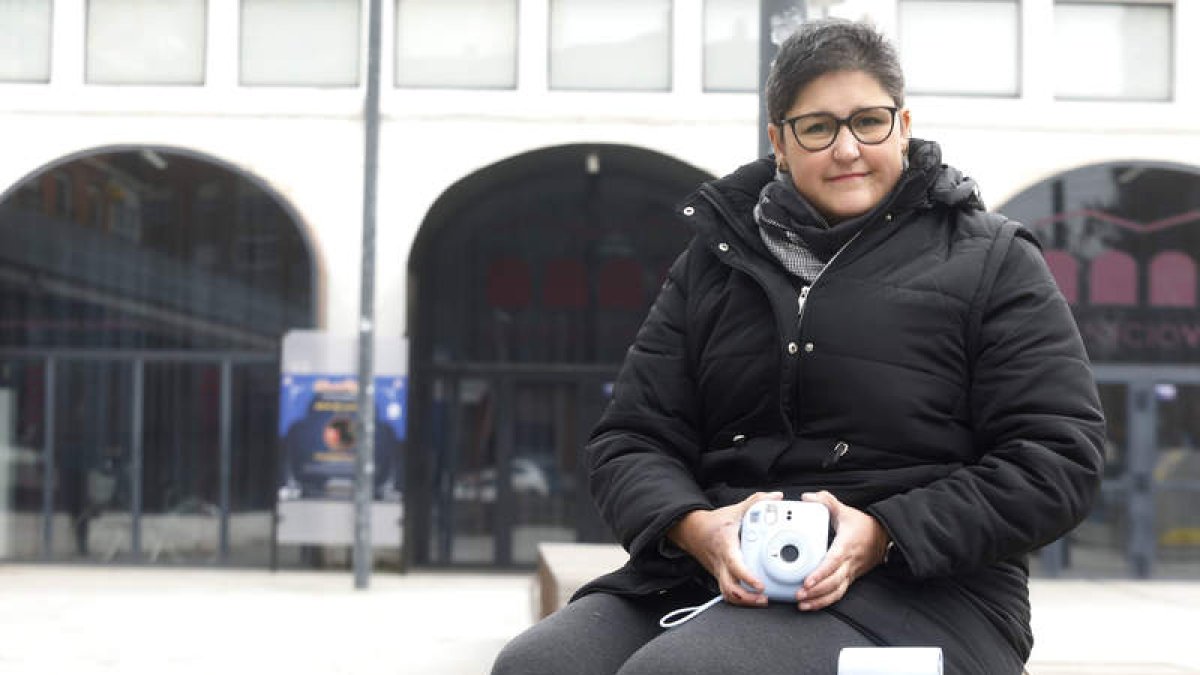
841	122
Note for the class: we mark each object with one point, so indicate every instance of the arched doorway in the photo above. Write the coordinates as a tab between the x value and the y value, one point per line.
528	282
143	295
1123	242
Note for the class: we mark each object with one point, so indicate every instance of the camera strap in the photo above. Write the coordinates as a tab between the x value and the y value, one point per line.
684	614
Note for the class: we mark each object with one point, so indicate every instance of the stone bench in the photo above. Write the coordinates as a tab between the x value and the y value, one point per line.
562	568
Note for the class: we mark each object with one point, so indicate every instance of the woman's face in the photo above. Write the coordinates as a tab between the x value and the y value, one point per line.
848	178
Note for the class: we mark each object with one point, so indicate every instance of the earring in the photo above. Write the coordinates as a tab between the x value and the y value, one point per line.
782	167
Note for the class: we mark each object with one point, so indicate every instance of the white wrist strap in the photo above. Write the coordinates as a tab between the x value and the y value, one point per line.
685	614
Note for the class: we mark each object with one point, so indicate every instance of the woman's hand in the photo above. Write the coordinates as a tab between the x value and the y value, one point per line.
858	545
711	537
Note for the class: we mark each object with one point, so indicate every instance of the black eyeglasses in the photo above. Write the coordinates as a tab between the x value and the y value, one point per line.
817	131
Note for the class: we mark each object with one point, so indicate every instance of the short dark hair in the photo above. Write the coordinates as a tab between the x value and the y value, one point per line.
826	46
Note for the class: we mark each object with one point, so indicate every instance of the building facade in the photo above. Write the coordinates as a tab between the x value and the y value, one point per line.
182	184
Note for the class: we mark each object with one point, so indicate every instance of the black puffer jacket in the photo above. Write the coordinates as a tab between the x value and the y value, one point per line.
970	455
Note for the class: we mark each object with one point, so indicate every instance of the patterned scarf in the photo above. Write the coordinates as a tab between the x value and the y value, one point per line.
799	237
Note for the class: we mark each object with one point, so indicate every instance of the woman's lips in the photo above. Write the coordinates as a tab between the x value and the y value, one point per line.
847	176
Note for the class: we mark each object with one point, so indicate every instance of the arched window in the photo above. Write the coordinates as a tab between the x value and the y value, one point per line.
1113	279
138	290
532	277
1172	280
1065	269
1123	242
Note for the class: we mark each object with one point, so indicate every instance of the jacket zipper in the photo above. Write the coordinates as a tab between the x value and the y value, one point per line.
805	290
719	205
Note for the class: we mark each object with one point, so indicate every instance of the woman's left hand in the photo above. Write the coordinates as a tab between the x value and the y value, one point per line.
858	545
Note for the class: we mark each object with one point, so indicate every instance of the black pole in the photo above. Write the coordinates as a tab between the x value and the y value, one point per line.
776	20
364	459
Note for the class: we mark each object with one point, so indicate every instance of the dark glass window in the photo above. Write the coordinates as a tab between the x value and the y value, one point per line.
530	280
1123	242
558	268
148	292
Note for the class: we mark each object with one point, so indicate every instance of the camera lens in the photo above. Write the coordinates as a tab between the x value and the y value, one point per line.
789	553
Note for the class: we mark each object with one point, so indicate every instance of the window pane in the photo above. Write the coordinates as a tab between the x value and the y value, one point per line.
731	45
1124	238
1112	51
25	41
136	256
930	30
610	44
456	43
145	41
300	42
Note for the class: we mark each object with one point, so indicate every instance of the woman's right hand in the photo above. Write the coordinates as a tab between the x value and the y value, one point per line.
711	537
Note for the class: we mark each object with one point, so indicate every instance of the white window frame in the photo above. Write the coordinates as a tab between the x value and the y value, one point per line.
704	65
1018	54
358	56
202	79
516	57
670	58
49	55
1172	51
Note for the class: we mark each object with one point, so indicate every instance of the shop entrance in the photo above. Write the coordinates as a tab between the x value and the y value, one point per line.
1123	243
529	281
144	292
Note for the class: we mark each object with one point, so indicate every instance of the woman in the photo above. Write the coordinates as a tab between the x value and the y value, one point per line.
847	327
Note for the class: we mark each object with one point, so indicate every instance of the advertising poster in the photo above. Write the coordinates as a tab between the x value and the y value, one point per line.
317	436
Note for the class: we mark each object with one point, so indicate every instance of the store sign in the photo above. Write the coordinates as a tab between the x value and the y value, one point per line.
1123	243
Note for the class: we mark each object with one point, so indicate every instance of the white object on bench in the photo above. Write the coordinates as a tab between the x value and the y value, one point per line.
890	661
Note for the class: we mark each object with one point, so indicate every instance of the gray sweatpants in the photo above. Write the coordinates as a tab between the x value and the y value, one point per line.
603	634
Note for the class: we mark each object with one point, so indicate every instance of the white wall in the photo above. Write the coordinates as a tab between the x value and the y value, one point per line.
307	144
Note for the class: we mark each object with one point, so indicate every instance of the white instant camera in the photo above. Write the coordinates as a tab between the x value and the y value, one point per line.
782	542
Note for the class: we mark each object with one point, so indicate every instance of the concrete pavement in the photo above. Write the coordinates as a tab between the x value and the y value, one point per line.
80	620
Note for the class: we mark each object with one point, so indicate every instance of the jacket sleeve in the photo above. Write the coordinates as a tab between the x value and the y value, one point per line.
645	448
1038	430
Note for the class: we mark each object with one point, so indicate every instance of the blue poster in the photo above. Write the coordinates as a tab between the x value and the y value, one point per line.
316	431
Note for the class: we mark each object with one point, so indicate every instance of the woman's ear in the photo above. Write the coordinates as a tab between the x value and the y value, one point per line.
905	123
773	133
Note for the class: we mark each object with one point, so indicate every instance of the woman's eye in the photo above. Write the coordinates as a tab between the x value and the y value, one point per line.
869	121
815	128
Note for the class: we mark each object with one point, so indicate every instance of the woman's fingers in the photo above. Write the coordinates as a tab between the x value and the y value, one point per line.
824	594
832	575
738	585
826	498
741	573
856	548
744	505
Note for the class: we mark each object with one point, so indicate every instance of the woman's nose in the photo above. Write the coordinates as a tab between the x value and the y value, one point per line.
845	146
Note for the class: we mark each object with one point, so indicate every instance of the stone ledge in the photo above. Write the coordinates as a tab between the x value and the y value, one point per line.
562	568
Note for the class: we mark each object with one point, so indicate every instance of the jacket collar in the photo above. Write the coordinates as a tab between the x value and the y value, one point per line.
926	183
